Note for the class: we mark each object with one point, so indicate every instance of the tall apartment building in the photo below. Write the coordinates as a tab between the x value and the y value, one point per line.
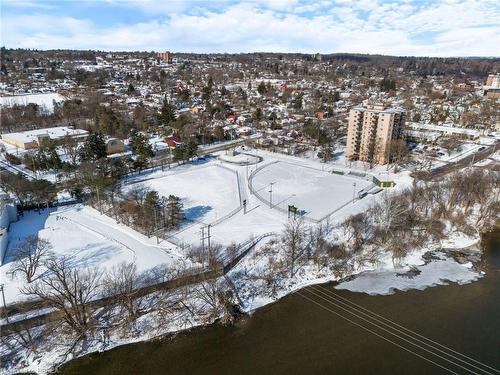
371	130
165	56
493	81
492	87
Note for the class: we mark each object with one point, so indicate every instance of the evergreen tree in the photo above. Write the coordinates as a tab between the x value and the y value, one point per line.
190	149
261	89
94	148
297	102
167	113
152	211
326	152
174	212
257	114
130	89
387	84
184	95
210	83
179	153
140	145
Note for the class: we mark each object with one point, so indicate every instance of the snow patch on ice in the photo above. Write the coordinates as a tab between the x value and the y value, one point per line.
437	272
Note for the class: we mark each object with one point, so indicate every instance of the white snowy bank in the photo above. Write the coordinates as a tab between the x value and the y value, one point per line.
436	272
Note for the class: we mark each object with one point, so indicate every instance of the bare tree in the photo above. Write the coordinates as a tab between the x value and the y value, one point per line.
215	298
29	255
120	283
70	146
25	336
399	153
232	251
68	290
293	239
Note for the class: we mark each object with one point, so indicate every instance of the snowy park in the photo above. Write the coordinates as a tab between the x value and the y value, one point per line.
314	191
208	192
88	239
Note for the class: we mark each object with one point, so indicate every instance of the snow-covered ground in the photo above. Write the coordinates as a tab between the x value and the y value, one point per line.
90	239
239	158
463	151
208	192
43	100
314	191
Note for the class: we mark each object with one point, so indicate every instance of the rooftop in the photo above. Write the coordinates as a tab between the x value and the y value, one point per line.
52	133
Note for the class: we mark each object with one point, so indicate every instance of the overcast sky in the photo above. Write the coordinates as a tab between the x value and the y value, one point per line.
403	27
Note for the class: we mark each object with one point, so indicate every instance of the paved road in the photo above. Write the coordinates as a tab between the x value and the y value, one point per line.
226	146
16	170
450	167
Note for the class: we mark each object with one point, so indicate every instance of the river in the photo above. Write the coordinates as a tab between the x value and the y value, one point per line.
297	336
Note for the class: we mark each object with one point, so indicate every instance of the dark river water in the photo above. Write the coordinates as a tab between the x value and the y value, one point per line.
296	336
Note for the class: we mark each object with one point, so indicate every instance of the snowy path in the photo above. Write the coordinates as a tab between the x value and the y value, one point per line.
146	254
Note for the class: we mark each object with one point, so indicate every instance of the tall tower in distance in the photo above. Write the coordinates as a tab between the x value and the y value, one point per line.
165	56
371	131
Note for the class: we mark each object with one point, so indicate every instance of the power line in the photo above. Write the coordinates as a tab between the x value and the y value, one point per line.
396	335
406	334
375	333
406	329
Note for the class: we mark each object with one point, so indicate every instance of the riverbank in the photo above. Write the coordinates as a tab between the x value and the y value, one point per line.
455	270
296	336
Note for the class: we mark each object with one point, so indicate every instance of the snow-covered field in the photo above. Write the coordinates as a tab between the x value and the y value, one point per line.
315	191
90	239
207	192
43	100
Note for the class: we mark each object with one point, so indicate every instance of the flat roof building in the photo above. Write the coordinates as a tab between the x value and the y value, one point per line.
34	138
371	130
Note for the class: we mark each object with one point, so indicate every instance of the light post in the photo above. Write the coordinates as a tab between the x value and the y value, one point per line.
353	192
271	194
4	306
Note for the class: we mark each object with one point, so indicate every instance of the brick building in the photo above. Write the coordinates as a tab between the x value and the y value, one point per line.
371	130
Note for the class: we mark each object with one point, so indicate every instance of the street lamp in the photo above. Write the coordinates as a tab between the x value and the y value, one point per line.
353	192
4	306
271	194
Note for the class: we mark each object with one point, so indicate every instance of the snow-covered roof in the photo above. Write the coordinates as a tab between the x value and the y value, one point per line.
53	133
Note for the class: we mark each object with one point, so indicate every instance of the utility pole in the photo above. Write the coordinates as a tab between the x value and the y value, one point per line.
202	247
271	194
203	237
4	306
208	236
